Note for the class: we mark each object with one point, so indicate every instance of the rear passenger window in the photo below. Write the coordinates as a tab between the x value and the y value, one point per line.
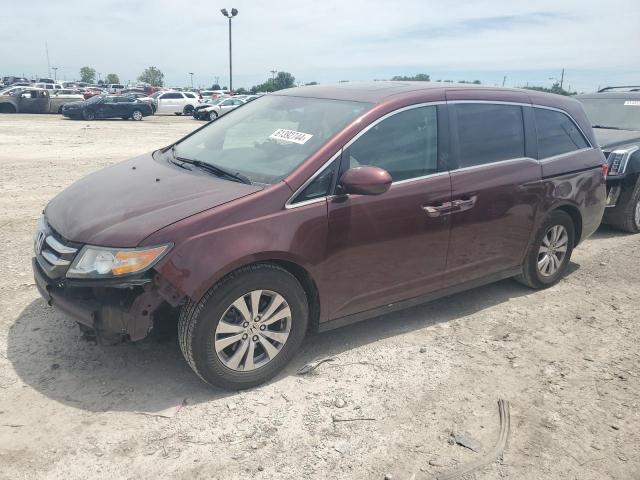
189	95
557	134
489	133
405	144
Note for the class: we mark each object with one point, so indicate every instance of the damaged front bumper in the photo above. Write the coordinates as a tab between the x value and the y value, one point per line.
125	307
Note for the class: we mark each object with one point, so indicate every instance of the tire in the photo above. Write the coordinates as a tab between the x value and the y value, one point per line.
188	110
88	115
136	115
212	116
532	275
625	215
199	324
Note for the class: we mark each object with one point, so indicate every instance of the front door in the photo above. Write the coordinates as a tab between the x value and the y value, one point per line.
495	189
33	101
391	247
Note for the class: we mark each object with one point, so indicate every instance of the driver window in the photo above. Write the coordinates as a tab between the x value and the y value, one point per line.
404	144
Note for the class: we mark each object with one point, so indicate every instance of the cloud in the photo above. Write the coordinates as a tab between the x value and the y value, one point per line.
325	41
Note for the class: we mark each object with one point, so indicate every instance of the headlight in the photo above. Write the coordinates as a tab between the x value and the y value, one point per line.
101	262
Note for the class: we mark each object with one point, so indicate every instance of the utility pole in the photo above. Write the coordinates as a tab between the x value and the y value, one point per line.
562	78
273	76
504	80
46	48
233	13
191	73
55	73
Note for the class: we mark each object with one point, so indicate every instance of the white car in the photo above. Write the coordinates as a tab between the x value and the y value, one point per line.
177	103
48	86
219	109
68	93
114	88
12	90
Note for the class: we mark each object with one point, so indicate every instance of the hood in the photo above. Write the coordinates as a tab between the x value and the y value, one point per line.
121	205
80	103
610	139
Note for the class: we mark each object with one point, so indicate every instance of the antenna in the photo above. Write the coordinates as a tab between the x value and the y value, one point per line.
46	48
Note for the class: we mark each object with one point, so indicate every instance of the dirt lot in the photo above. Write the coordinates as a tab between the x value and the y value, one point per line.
567	359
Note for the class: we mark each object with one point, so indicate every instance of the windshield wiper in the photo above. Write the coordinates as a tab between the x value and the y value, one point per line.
209	167
606	127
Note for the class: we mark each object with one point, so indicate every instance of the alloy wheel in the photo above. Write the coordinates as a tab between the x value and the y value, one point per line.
636	215
137	115
553	250
253	330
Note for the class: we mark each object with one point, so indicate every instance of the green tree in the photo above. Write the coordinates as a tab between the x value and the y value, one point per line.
152	76
241	91
312	83
555	88
420	77
87	74
282	80
112	78
216	86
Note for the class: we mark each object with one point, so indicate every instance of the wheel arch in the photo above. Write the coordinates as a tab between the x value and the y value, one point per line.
291	265
8	107
576	217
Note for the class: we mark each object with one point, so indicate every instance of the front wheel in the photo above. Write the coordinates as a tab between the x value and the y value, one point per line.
246	328
89	115
136	115
549	254
213	116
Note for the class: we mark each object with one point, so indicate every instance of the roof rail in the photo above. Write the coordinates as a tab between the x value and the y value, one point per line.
633	87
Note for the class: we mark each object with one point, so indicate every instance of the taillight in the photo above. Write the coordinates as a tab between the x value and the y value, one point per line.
605	169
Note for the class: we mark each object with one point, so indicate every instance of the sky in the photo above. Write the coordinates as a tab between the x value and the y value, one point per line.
529	42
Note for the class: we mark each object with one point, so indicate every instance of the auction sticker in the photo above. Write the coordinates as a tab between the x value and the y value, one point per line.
290	136
635	103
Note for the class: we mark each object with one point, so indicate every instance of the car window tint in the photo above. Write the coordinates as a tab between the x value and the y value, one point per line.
319	187
405	144
489	133
557	134
189	95
171	96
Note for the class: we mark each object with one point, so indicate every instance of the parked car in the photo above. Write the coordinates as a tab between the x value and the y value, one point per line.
201	111
217	109
67	94
143	98
12	90
317	207
107	106
177	103
615	117
31	100
89	92
48	85
114	88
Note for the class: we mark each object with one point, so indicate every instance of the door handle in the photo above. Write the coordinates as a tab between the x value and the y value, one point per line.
438	210
465	204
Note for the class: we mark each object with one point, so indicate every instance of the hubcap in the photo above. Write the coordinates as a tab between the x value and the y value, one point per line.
637	214
137	115
552	250
253	330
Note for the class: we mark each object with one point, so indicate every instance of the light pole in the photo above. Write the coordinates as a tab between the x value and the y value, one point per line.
191	73
233	13
273	77
55	73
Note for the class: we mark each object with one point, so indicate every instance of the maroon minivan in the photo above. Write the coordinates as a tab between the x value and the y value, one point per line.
319	206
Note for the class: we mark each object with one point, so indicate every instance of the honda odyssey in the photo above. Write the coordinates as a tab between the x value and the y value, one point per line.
315	207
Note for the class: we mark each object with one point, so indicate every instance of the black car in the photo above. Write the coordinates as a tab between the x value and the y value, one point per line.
108	106
615	115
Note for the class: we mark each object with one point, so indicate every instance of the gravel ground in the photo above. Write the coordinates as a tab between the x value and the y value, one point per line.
567	360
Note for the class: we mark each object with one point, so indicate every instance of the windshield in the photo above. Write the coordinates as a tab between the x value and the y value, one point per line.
267	139
95	99
613	112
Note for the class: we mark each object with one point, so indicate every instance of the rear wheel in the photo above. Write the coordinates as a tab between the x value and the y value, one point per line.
626	214
213	116
89	115
549	254
246	328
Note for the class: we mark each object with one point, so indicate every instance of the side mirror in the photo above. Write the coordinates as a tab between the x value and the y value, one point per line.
365	180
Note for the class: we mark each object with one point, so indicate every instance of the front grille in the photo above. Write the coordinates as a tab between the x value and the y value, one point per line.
53	253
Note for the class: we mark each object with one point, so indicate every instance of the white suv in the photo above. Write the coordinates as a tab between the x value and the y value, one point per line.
177	102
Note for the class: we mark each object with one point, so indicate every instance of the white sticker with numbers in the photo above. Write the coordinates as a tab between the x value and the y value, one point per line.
634	103
292	136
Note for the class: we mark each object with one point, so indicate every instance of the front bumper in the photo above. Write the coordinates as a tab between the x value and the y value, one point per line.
111	307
